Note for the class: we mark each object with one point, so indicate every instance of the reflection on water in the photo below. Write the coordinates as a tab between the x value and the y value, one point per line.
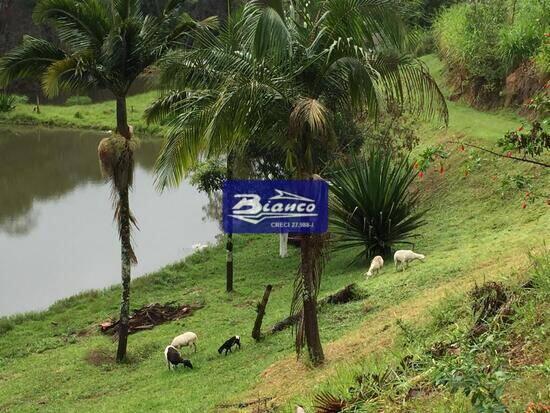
57	236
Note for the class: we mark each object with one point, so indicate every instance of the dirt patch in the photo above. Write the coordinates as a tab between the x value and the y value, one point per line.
99	357
522	84
521	353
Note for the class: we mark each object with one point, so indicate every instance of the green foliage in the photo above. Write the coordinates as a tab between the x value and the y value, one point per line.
395	133
482	42
209	176
478	371
7	103
303	69
429	156
533	142
78	100
99	46
372	206
523	34
539	105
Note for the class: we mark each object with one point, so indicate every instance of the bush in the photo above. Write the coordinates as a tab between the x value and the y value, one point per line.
209	176
7	103
372	206
78	100
482	42
394	132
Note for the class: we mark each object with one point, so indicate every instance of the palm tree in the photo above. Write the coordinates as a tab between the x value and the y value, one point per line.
285	73
102	44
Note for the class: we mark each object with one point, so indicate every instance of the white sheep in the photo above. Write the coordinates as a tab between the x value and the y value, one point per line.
375	265
187	339
403	257
199	247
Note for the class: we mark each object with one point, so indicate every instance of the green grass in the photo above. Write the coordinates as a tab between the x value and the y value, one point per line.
89	116
57	361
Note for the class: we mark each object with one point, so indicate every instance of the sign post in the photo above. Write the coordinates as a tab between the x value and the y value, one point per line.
252	207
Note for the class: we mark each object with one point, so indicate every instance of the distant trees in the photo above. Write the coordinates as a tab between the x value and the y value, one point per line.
286	76
104	44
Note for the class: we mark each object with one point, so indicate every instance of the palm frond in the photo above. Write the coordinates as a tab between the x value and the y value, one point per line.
69	74
127	8
30	59
79	24
165	106
311	114
406	80
272	37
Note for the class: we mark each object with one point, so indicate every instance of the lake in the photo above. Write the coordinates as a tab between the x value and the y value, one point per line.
57	235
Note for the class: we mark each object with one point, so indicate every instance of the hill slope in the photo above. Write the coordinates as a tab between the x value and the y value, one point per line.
57	361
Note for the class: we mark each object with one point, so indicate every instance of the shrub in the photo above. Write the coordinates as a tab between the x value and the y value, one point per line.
209	176
394	132
372	206
482	42
78	100
7	103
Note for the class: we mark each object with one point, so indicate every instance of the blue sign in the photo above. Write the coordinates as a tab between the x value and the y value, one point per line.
275	206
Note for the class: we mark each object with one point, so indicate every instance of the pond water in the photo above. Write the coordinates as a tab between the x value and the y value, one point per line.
57	235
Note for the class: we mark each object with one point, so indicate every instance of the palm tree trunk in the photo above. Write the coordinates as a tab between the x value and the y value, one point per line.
125	240
311	324
125	275
122	117
229	244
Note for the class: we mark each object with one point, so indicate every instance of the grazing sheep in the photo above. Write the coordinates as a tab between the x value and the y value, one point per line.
173	358
199	247
233	341
187	339
403	257
375	265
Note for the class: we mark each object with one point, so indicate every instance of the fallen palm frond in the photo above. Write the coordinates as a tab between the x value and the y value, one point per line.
149	316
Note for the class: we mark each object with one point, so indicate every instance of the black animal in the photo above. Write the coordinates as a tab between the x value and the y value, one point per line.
233	341
173	358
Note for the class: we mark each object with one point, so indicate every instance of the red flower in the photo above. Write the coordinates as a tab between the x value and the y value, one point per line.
421	174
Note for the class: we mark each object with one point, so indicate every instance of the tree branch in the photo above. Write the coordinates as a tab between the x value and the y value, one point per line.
503	156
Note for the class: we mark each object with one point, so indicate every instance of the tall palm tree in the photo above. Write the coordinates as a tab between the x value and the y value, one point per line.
102	44
285	73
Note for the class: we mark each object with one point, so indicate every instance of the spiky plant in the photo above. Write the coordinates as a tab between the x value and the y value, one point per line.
7	102
372	205
103	44
326	402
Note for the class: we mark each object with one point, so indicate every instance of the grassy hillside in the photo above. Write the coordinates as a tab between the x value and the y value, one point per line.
92	116
57	361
